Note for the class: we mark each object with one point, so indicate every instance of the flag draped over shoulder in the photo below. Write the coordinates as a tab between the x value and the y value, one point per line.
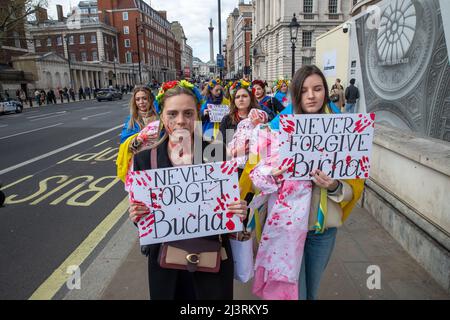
124	157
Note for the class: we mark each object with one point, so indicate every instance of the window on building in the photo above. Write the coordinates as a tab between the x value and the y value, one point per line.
332	9
16	39
94	56
93	38
59	41
73	57
83	56
93	10
38	43
82	39
71	40
307	39
307	60
49	42
308	9
126	30
128	57
127	43
125	16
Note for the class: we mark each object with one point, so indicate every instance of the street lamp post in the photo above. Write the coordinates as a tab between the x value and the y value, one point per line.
293	28
115	75
220	36
68	59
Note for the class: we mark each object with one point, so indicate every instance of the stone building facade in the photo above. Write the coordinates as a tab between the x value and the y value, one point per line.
271	47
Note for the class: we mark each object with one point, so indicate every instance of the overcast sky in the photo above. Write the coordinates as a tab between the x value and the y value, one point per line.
193	15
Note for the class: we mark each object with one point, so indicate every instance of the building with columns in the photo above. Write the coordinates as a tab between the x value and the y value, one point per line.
271	47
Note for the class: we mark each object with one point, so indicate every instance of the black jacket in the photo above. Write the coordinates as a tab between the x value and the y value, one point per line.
171	284
351	94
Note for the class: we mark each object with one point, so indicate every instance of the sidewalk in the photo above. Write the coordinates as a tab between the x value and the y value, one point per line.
361	242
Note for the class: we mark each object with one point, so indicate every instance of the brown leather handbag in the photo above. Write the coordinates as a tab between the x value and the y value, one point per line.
199	254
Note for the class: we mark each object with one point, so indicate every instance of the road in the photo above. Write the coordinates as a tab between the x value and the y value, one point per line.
57	167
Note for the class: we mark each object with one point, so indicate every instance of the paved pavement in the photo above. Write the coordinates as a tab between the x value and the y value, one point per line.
361	243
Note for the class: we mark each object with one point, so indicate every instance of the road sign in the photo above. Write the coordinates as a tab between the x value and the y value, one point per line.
220	61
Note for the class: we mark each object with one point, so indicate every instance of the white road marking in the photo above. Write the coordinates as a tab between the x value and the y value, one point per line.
3	125
95	115
47	114
18	134
57	150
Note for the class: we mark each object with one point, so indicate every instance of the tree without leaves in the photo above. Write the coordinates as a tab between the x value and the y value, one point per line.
13	12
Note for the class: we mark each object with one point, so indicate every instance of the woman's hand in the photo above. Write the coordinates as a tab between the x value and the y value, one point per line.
324	181
238	208
137	210
283	168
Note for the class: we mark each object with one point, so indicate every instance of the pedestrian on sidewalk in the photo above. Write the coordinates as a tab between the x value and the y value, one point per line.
179	102
309	91
80	93
337	95
61	94
351	96
37	97
72	94
87	92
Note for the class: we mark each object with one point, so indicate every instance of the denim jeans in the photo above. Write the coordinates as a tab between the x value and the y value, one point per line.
317	253
350	107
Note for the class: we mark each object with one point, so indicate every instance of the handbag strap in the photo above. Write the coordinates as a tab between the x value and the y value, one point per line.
153	158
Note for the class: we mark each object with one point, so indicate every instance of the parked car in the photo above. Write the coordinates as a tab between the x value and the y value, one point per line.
108	94
10	105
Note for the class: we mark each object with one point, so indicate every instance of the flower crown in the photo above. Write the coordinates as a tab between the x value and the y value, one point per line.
172	84
280	82
214	83
240	84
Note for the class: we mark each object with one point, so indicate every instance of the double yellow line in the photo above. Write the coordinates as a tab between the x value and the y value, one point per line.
59	277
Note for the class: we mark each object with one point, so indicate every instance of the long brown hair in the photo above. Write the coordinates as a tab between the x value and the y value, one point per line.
297	84
135	117
233	109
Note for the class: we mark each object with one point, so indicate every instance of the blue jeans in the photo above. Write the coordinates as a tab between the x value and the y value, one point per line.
317	253
350	107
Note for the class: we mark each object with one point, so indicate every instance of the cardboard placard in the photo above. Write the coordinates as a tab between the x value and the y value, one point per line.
338	144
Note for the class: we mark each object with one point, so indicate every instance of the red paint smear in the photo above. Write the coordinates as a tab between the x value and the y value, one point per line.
148	177
230	225
348	159
289	223
138	182
230	215
220	216
235	187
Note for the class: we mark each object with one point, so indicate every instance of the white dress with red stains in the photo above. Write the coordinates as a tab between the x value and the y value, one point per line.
280	252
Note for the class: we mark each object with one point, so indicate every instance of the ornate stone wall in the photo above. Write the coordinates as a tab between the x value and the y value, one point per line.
405	66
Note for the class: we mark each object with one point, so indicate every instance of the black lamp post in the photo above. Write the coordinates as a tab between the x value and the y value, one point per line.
66	38
293	28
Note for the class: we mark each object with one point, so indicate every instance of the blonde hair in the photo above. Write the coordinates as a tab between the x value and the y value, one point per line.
135	117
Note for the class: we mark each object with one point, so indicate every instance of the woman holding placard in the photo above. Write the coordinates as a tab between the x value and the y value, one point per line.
179	102
331	200
214	97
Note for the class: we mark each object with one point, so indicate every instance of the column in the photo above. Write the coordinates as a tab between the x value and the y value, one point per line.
267	12
262	14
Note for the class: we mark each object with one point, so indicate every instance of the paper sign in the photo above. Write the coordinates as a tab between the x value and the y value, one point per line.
338	144
186	202
217	112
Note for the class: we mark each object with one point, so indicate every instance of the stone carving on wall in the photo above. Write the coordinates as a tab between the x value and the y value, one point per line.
405	70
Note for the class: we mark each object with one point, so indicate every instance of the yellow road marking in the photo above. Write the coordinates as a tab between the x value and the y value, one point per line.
101	143
14	183
59	277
